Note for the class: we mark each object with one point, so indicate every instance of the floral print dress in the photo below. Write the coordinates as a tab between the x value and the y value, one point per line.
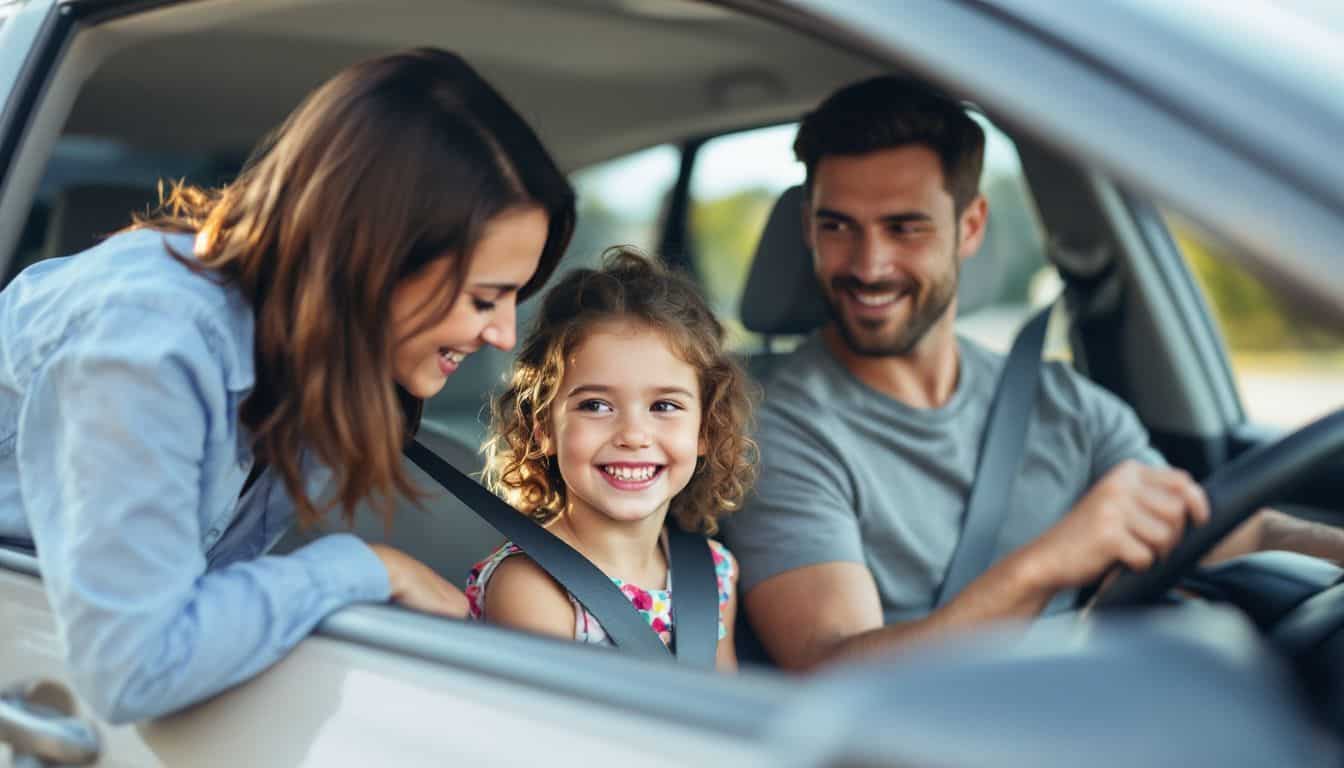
655	605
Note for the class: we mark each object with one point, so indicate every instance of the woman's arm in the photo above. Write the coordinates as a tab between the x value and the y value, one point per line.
112	437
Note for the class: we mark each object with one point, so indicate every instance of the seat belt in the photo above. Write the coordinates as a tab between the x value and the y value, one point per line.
695	598
1001	447
695	601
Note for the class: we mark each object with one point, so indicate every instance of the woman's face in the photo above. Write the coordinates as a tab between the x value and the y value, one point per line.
483	313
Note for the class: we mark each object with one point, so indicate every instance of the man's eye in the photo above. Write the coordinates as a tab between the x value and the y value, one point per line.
594	406
910	229
830	225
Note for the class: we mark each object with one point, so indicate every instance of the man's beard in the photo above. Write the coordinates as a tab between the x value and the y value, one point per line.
927	308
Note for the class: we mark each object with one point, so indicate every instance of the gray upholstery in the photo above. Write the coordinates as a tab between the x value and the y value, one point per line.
82	215
781	296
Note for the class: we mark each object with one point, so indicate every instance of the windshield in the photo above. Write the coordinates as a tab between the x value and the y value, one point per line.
1298	41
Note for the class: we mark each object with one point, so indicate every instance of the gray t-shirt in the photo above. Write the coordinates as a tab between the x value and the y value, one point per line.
851	475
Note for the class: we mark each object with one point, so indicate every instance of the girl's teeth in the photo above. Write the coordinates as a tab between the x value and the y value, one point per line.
625	473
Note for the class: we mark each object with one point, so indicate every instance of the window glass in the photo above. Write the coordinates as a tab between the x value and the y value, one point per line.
91	187
621	202
734	184
1288	368
738	177
1008	278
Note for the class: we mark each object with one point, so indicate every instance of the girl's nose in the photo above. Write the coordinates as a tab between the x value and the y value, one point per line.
633	434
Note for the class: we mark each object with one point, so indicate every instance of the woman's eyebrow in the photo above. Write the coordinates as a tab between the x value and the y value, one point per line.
501	289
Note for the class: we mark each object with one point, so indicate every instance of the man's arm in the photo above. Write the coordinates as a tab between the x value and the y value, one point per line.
830	611
1270	529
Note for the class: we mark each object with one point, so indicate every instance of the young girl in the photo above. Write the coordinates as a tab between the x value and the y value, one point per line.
172	399
622	409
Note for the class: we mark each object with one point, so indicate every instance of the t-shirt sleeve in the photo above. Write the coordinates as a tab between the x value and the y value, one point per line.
802	509
1117	435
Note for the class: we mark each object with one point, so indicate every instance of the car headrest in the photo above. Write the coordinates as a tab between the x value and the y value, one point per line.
82	215
781	296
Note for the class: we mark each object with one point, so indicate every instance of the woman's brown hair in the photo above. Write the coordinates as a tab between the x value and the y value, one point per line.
633	288
393	163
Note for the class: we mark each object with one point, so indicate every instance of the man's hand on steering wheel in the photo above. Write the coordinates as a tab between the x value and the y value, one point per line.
1133	516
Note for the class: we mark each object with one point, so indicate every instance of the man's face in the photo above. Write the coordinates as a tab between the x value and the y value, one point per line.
886	246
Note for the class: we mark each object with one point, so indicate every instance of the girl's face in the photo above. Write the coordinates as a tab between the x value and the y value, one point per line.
625	424
483	313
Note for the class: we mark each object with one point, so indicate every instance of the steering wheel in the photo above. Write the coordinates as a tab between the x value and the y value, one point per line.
1235	491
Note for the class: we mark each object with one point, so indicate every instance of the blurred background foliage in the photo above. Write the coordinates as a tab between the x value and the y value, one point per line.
1253	319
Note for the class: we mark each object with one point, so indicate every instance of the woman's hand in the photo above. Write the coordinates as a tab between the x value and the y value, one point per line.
415	585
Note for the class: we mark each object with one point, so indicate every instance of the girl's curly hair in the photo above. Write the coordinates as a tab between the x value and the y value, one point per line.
634	287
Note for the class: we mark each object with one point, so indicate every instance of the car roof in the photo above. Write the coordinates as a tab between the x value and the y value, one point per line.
1185	104
598	78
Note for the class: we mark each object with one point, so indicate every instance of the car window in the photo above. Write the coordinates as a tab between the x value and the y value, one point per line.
91	187
737	178
1288	368
734	184
621	201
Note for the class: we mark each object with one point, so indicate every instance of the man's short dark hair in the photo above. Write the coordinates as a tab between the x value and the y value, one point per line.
888	112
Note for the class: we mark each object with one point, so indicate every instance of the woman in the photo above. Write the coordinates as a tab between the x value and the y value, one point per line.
173	398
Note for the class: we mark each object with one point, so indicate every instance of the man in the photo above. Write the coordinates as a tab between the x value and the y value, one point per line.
870	435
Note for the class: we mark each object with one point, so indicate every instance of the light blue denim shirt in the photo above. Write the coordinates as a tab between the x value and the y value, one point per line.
122	458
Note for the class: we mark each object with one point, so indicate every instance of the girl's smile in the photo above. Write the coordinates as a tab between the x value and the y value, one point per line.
631	477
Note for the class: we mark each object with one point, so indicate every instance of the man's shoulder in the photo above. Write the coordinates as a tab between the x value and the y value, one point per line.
805	380
1060	382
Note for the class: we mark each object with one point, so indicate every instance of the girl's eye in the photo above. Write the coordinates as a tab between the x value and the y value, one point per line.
594	406
667	406
482	305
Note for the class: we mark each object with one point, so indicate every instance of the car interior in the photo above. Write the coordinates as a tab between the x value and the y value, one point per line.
631	97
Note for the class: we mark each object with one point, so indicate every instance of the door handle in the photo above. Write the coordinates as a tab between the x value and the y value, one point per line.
37	720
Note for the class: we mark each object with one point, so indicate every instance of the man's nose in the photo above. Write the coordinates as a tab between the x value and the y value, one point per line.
872	259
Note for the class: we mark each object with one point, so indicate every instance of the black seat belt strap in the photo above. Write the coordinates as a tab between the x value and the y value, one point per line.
1001	448
695	598
624	624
